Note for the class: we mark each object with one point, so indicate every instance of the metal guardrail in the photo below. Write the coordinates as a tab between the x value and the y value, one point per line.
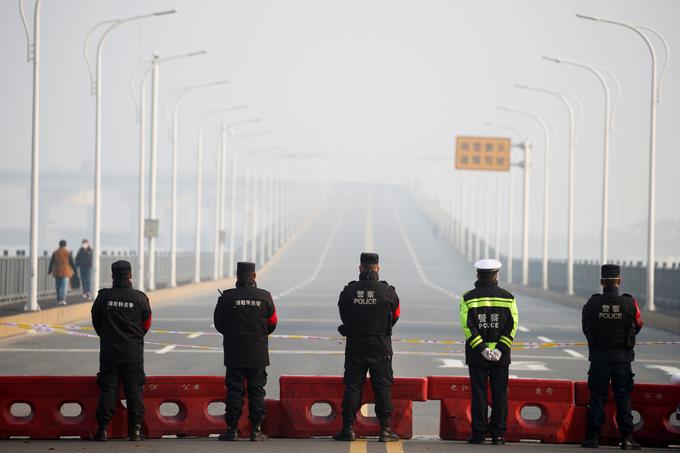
586	272
14	272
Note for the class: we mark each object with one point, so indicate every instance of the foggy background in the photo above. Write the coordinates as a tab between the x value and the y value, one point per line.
368	82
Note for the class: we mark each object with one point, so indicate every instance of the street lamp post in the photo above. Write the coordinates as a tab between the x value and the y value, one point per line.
97	91
33	54
607	131
546	204
655	98
183	92
566	100
202	120
524	146
140	102
232	214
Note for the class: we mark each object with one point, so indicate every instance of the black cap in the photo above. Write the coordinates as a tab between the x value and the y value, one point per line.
610	271
245	268
369	258
121	268
62	243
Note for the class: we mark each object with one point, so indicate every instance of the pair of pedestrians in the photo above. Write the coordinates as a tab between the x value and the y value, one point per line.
66	270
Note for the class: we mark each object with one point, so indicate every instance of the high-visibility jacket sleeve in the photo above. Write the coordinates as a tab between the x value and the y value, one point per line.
509	329
472	336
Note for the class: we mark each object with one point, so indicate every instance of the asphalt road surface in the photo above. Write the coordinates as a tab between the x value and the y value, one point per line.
429	277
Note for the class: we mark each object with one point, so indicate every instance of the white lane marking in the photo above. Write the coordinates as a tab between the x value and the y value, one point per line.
529	366
452	363
166	349
523	329
368	238
545	339
322	257
573	353
195	335
414	257
516	366
669	370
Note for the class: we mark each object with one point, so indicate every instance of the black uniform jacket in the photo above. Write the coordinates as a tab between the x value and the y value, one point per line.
245	316
121	316
610	322
489	318
368	310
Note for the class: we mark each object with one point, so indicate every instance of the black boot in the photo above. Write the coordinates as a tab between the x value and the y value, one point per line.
101	435
591	441
387	435
477	438
346	434
257	435
230	435
498	440
627	443
135	432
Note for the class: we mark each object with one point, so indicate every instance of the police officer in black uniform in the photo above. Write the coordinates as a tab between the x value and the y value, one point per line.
121	316
369	308
489	318
245	316
610	322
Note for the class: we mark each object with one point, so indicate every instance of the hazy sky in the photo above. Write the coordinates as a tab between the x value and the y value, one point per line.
370	81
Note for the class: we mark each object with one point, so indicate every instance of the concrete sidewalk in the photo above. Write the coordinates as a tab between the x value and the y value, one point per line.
371	445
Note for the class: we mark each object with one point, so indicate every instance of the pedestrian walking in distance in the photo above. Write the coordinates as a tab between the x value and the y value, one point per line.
610	322
369	308
61	267
84	265
245	316
121	316
489	318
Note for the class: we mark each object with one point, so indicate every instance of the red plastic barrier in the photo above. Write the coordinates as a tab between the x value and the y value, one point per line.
656	405
193	395
300	393
46	394
554	399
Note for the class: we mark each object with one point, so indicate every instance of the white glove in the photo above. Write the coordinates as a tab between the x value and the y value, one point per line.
497	354
488	354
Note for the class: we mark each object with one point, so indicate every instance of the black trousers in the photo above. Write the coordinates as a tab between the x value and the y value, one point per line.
381	380
108	378
497	376
621	377
238	380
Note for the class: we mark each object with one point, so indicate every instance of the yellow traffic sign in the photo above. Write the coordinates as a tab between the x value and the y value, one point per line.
483	153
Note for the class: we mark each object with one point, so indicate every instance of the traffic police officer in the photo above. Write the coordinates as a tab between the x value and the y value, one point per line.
489	317
369	308
610	322
245	316
121	316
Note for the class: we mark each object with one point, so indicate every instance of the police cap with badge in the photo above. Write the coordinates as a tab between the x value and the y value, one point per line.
121	269
488	266
369	259
243	267
610	271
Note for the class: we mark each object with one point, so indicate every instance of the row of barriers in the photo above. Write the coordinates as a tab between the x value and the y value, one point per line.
33	406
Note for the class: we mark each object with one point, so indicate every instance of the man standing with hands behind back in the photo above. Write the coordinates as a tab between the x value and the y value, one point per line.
488	316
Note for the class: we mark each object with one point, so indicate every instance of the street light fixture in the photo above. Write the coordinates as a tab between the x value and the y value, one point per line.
566	100
33	54
546	200
655	98
150	66
202	120
182	93
96	78
608	114
524	137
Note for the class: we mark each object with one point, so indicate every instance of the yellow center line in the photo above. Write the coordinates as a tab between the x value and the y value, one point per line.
394	447
358	446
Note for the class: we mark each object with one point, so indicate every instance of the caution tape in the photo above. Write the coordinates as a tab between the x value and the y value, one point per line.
78	331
